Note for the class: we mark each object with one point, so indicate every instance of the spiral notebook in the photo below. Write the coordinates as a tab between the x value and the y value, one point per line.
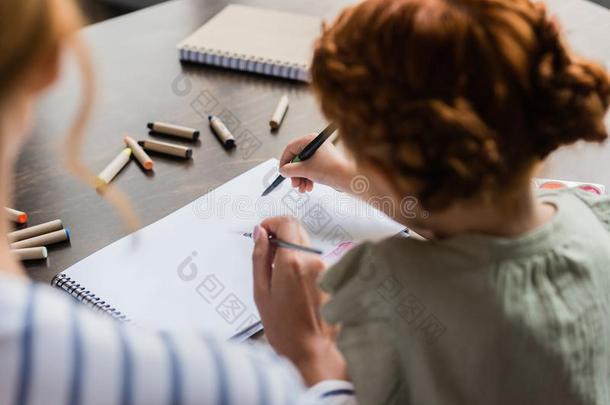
193	269
255	40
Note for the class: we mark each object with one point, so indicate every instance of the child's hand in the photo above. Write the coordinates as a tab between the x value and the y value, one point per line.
288	300
327	166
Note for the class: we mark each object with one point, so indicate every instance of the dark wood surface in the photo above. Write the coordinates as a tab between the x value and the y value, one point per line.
140	79
605	3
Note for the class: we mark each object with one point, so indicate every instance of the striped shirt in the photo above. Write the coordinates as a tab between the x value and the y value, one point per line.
55	351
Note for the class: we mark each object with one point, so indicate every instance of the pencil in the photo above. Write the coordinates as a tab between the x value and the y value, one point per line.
278	242
247	332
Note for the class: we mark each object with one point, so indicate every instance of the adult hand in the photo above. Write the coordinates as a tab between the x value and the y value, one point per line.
327	166
288	300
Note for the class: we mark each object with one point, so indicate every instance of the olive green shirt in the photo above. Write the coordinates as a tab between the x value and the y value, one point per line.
476	319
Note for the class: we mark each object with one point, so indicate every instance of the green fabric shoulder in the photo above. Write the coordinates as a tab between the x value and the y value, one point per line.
600	205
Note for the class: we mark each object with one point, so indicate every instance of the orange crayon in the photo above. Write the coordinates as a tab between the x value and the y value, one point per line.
16	216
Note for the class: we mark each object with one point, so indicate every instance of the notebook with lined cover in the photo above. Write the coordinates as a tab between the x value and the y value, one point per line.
256	40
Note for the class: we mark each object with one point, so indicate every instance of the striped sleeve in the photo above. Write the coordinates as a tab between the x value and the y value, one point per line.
55	350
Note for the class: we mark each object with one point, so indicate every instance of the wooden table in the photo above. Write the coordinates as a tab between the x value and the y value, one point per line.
140	79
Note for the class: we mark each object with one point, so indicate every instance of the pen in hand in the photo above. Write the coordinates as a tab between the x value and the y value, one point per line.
239	336
305	154
278	242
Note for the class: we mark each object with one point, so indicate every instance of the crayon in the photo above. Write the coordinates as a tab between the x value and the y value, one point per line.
222	132
33	253
142	157
167	148
279	113
43	240
174	130
113	168
16	216
35	230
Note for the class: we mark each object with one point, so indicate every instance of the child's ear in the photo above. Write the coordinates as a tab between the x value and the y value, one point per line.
46	72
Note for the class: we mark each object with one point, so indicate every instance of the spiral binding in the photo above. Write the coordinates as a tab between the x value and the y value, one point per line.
244	63
85	296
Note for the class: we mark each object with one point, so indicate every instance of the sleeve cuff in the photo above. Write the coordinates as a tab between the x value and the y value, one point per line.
331	392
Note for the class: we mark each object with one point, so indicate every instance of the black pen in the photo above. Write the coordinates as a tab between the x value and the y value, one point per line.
278	242
305	154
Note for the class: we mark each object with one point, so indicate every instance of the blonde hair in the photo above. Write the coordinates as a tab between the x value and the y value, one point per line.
35	32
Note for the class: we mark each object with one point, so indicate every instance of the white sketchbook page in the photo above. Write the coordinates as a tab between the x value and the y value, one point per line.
192	269
258	33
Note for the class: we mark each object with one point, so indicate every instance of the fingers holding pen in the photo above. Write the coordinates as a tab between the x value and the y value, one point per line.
262	260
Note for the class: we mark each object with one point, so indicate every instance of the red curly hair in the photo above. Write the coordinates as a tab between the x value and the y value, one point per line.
457	96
